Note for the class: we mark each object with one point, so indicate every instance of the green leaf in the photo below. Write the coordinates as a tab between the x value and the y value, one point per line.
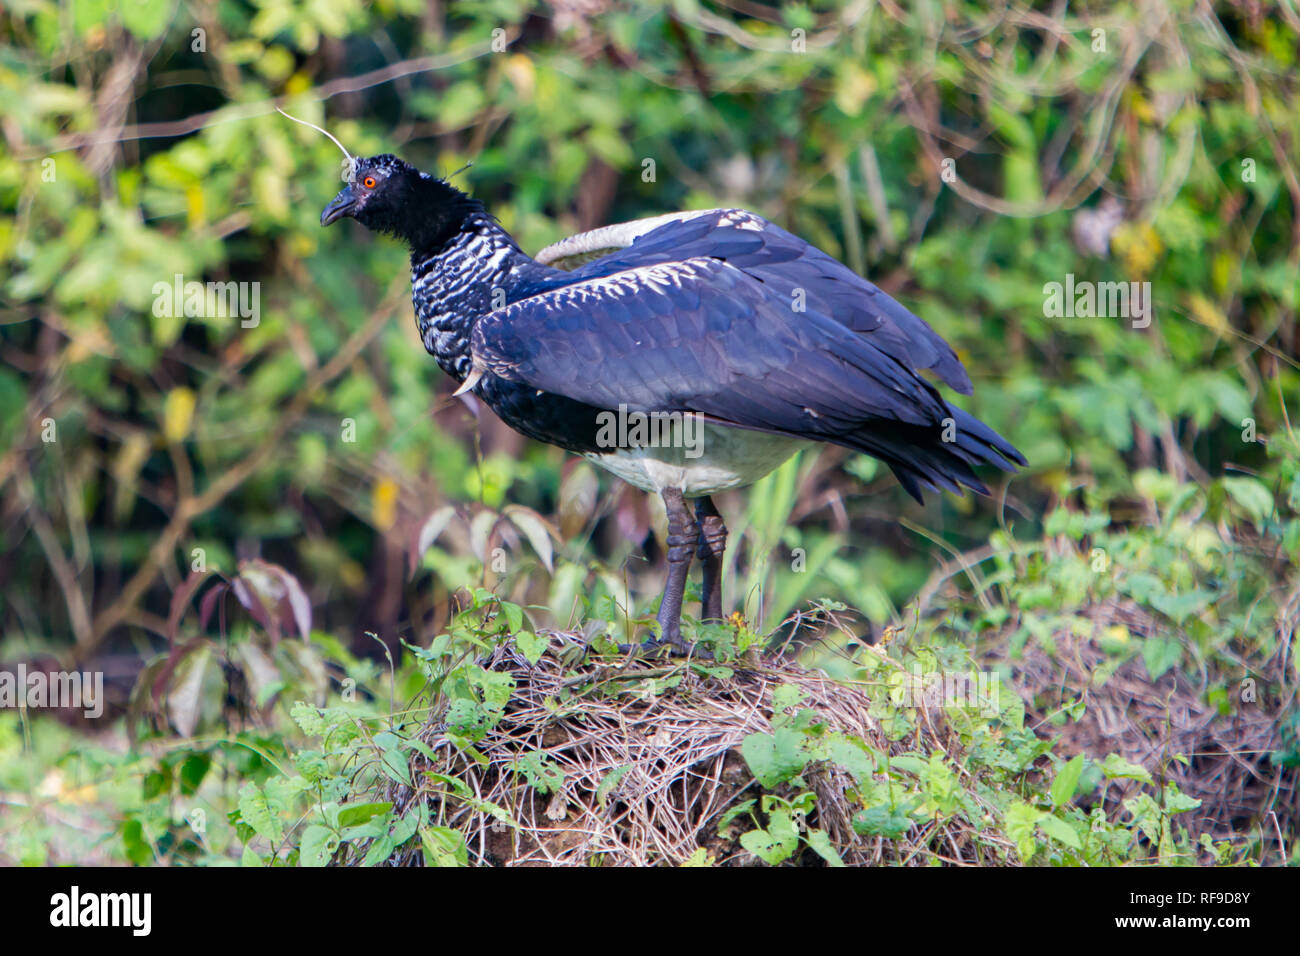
1252	495
786	697
1019	822
1117	768
355	814
609	782
1159	654
777	843
909	763
514	616
309	718
1067	781
532	646
739	810
459	786
193	770
405	828
443	846
318	846
496	688
394	763
134	845
1178	802
145	18
88	14
1061	831
312	765
882	820
542	773
381	848
1180	607
850	754
822	846
777	757
255	810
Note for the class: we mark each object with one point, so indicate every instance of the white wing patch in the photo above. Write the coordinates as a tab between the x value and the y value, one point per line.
630	282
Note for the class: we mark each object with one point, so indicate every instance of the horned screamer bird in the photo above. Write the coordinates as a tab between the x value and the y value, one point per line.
719	314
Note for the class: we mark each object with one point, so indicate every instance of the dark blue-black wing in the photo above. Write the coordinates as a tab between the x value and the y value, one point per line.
701	335
790	268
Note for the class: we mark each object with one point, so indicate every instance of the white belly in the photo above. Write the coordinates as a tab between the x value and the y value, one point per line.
723	458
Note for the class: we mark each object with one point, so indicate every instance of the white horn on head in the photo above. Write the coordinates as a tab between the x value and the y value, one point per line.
352	160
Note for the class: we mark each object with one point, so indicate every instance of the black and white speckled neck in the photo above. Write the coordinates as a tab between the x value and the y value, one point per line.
478	269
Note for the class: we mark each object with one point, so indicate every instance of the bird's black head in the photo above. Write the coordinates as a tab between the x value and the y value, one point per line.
388	195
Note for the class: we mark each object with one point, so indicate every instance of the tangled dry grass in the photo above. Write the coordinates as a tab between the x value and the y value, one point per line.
650	769
1157	723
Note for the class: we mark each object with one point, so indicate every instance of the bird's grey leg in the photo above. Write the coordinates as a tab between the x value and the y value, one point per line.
683	535
713	542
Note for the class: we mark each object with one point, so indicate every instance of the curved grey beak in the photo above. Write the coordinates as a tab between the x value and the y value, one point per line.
340	206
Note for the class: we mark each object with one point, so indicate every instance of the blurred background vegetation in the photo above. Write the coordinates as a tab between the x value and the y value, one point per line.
962	155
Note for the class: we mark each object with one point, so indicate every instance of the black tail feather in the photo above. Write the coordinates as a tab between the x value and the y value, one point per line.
921	458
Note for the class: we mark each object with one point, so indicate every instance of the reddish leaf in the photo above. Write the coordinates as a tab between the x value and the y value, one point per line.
185	696
251	598
209	603
180	601
174	657
299	605
274	597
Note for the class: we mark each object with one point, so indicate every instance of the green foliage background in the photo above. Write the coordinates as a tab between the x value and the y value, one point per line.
140	143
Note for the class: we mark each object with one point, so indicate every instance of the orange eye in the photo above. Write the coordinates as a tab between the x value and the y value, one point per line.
369	182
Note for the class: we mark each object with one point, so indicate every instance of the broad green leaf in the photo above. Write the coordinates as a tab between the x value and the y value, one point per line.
821	844
882	820
1252	495
318	846
355	814
1116	767
1019	822
1061	831
1067	781
255	810
531	645
777	843
777	757
443	847
1161	653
